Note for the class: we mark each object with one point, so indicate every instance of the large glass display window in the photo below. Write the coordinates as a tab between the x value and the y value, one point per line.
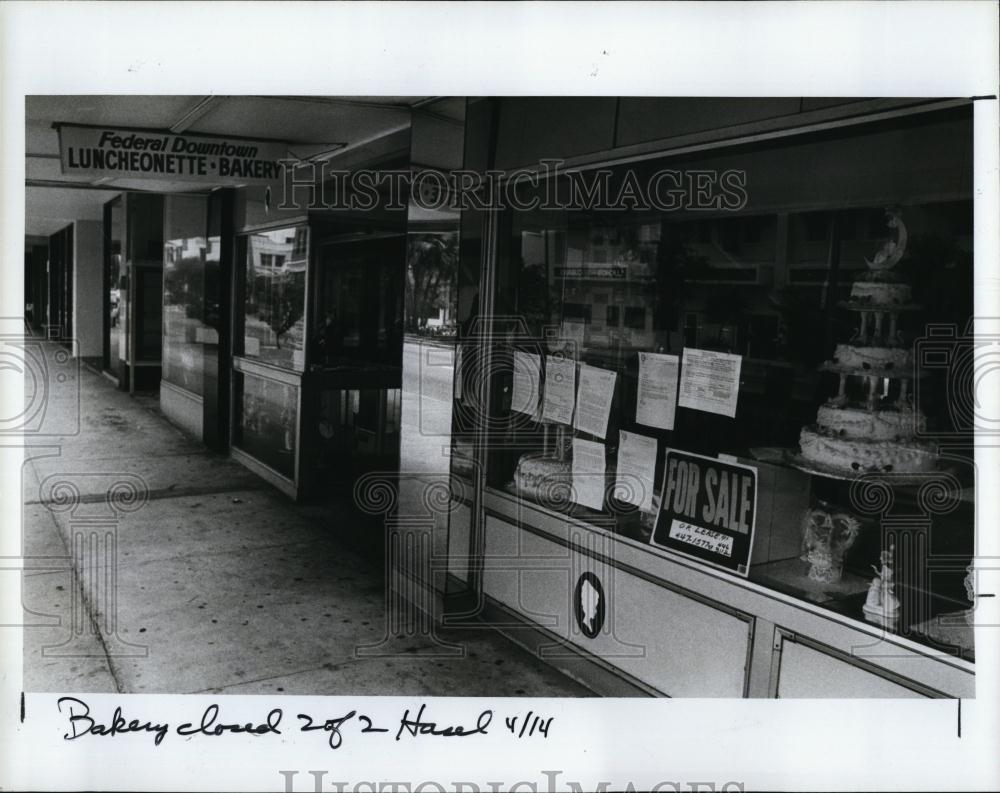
274	299
116	284
184	277
358	302
319	346
266	425
679	377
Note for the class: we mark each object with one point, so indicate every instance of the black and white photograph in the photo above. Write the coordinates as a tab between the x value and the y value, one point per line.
580	435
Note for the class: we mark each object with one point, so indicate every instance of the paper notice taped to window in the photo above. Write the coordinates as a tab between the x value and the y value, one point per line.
593	403
588	473
656	401
710	381
560	390
527	378
635	472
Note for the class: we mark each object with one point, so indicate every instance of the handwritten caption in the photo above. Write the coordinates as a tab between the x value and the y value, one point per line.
413	723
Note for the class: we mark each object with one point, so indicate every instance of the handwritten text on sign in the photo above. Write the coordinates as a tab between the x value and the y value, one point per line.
707	509
138	154
699	536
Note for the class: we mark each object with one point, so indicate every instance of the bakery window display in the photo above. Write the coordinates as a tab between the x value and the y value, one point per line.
870	425
816	344
546	476
869	428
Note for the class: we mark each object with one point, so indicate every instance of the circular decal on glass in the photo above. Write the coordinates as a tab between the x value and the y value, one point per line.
588	604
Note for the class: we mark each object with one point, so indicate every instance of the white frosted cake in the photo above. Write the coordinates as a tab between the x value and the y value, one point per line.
544	478
873	358
877	425
856	455
881	293
877	436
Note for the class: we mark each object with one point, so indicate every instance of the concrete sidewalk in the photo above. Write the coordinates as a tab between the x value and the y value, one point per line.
221	584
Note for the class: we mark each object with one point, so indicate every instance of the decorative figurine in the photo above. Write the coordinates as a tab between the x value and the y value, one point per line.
891	252
881	605
827	536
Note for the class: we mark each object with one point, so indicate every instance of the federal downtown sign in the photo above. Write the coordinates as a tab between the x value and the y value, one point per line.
145	154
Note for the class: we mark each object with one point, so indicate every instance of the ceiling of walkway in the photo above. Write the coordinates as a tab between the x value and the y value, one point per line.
311	126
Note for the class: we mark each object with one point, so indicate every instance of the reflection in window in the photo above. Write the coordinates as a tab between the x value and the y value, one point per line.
430	283
184	331
275	297
117	285
359	314
579	291
356	429
647	283
266	420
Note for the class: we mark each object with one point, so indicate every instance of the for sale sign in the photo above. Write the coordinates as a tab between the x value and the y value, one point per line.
707	510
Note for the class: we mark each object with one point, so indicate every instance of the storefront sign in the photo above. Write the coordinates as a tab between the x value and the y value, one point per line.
707	510
165	156
602	273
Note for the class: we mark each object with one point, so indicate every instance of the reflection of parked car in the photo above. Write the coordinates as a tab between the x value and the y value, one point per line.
115	299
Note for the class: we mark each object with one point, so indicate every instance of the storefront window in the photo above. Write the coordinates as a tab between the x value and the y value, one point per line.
184	261
266	421
759	337
359	311
275	297
144	302
117	282
356	429
431	267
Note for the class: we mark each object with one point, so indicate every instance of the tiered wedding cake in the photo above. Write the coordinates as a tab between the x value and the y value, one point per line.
864	430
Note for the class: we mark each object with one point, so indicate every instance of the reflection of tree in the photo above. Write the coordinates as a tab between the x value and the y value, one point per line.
285	305
184	279
430	275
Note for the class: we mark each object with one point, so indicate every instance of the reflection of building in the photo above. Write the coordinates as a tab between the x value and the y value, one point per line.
277	336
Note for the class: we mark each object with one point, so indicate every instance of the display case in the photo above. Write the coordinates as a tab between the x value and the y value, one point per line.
318	340
627	344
